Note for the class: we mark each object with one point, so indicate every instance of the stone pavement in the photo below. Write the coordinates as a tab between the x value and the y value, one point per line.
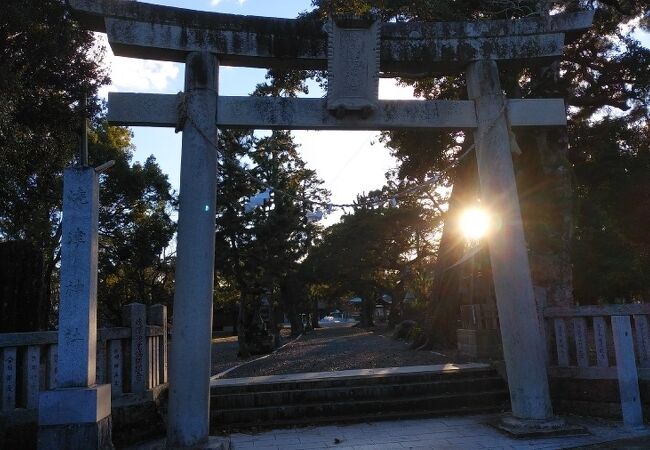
469	432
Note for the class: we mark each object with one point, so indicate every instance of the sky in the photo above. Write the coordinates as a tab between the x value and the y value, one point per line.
349	162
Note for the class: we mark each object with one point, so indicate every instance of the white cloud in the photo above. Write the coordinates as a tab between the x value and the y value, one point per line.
217	2
390	90
128	74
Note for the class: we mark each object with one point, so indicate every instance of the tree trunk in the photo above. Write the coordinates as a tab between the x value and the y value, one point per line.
289	306
242	328
314	314
545	184
45	296
444	307
367	309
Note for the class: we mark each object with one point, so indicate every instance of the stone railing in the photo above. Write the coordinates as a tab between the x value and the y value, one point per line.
602	342
131	358
479	336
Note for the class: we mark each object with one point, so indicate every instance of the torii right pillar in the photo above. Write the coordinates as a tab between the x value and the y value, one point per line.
521	334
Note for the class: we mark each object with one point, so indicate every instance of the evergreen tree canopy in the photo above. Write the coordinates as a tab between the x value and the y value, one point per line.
48	64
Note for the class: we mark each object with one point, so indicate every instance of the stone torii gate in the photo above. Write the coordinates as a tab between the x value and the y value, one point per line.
356	52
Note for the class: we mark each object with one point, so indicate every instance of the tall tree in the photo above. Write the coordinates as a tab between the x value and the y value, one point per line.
258	248
135	225
47	64
367	252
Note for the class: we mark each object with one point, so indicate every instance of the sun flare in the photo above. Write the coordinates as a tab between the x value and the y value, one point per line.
475	223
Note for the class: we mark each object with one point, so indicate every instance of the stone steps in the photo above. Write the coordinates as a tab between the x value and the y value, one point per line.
349	378
337	394
353	396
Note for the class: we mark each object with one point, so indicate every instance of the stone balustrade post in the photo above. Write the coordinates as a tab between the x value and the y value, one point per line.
628	378
157	315
134	316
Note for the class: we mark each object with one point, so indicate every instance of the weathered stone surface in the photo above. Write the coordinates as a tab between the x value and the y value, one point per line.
75	418
159	32
78	436
593	397
8	372
134	316
189	369
138	422
628	380
527	428
172	42
74	405
598	310
398	57
310	113
78	308
558	23
92	12
452	55
353	66
479	343
523	345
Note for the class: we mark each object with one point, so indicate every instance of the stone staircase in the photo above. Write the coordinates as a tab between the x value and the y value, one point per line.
356	396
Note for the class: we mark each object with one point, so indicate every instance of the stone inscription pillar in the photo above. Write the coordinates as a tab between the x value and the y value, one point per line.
78	413
189	365
134	316
523	346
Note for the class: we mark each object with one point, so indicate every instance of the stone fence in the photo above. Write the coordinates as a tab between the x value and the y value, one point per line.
479	335
609	342
131	358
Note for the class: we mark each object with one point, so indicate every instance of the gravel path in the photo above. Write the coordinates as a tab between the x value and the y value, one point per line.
327	349
224	352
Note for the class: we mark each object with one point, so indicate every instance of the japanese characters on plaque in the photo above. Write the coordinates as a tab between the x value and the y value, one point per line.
353	65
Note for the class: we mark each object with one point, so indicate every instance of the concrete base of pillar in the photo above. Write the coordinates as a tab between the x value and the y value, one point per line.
75	418
531	428
78	436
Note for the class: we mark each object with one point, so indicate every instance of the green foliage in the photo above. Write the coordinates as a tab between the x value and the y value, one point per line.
260	249
47	65
415	333
366	253
611	249
136	202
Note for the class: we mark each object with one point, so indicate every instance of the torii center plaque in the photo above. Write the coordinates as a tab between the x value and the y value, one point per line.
353	65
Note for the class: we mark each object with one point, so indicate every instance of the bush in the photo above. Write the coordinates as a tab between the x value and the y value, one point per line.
404	329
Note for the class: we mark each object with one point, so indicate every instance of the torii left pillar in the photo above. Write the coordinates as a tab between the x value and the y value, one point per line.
188	424
77	414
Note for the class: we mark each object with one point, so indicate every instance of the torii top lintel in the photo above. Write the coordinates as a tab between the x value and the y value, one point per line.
149	31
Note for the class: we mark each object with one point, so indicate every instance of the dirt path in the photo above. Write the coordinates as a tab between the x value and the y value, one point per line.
326	349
